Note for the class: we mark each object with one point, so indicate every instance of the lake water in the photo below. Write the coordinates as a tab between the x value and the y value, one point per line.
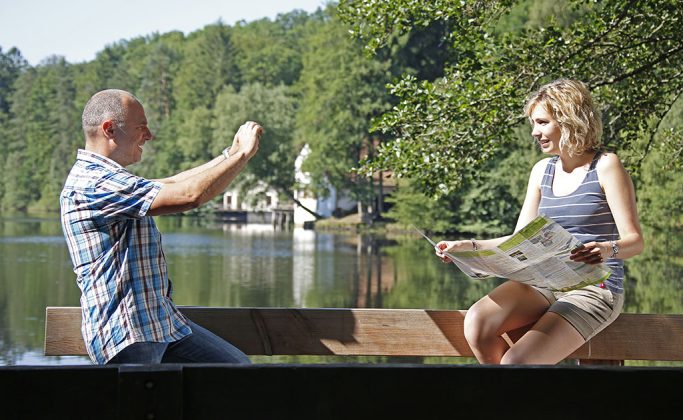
214	264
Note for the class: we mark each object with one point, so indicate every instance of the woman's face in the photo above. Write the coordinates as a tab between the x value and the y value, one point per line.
545	130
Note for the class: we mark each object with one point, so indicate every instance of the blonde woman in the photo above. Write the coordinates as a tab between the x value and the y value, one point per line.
588	192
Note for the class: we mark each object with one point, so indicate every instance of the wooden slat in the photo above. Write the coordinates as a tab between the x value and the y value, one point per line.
638	337
63	331
386	332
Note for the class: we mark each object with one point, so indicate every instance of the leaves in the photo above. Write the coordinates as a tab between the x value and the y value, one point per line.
342	90
629	53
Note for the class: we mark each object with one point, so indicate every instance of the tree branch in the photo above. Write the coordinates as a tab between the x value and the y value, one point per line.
640	69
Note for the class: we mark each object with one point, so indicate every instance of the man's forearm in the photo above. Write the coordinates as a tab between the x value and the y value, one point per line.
215	179
182	176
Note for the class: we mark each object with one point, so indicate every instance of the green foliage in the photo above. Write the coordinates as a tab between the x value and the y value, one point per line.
629	54
489	205
275	109
268	52
537	13
157	75
178	79
491	202
653	279
208	65
194	137
411	207
660	192
450	121
39	142
342	90
11	64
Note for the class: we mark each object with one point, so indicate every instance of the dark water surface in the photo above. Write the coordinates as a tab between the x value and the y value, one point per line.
214	264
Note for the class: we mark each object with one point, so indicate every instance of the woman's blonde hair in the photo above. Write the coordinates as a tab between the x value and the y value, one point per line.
571	105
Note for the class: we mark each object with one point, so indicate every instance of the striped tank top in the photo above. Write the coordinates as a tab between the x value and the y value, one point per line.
585	214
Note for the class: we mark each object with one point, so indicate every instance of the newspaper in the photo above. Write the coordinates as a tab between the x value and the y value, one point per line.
537	255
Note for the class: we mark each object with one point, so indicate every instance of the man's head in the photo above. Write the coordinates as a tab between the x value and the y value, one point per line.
104	105
115	125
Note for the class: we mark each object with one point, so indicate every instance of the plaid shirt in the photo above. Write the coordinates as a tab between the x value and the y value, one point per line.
116	252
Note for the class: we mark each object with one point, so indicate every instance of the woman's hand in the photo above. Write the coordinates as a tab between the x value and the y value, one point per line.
591	252
451	246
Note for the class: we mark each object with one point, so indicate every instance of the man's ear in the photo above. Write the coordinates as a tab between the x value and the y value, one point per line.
108	128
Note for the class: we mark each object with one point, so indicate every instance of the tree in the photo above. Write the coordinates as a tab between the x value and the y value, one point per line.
157	75
275	109
269	52
341	90
193	137
11	65
43	138
660	196
628	52
208	65
409	203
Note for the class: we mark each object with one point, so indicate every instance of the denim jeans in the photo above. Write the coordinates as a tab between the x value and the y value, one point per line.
202	346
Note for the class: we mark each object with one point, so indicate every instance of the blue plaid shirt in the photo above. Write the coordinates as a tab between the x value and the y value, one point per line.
116	252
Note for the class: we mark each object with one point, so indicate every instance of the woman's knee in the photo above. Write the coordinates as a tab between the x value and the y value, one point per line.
515	357
477	325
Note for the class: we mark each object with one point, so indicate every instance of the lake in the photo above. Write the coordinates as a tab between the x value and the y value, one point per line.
216	264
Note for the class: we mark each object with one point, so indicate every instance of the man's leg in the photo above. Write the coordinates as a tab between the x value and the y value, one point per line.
140	353
203	346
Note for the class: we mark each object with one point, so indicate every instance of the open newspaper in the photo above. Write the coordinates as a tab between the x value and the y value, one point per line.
537	255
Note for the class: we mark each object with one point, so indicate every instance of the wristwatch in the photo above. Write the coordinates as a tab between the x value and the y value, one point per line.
226	152
615	249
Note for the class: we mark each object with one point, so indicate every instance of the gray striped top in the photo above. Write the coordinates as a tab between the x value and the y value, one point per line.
585	214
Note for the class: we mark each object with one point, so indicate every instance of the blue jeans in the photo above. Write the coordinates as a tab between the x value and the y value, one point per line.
202	346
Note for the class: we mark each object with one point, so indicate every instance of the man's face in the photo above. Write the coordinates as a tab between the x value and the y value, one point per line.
132	135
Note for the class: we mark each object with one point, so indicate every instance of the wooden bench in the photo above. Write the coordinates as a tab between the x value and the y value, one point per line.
381	332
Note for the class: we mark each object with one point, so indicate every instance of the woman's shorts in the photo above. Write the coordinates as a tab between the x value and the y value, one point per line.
589	309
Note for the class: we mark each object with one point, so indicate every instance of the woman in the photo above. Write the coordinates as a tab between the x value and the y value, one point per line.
589	193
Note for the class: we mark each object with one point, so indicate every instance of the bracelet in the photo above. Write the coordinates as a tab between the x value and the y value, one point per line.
474	244
226	153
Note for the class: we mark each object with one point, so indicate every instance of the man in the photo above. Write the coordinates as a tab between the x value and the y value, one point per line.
128	314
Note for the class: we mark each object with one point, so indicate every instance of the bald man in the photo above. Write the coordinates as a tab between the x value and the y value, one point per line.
115	246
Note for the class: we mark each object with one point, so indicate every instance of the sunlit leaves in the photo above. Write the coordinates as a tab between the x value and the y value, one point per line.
629	53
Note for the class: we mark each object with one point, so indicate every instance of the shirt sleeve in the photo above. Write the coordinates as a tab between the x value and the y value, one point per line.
122	195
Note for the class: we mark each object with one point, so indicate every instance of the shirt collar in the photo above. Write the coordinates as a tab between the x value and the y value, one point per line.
92	157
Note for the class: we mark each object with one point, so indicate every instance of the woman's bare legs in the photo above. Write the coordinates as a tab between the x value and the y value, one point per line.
514	305
507	307
549	341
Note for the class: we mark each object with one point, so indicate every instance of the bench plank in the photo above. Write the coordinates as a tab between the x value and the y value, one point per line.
381	332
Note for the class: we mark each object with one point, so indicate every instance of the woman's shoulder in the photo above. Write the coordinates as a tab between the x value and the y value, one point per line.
538	171
608	161
541	164
610	170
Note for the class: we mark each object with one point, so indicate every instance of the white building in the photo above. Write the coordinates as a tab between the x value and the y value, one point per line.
259	204
324	206
259	198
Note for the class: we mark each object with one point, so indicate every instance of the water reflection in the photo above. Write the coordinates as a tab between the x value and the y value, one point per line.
303	265
256	265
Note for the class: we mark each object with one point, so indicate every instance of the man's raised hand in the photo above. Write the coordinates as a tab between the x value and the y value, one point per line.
248	137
